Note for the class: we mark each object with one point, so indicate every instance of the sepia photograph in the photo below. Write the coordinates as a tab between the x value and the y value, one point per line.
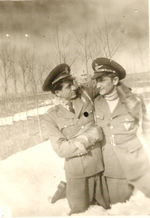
74	108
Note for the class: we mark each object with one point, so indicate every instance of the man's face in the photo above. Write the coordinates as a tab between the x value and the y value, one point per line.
68	91
106	85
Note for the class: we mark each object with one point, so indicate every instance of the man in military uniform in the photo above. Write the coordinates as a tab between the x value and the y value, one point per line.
120	112
73	135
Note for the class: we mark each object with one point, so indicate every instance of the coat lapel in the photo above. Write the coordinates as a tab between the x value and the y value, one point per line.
78	105
119	109
102	105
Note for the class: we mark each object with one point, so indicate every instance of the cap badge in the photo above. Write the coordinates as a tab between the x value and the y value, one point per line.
127	125
97	68
66	70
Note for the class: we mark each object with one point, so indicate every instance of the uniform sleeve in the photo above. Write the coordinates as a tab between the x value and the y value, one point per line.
145	122
63	147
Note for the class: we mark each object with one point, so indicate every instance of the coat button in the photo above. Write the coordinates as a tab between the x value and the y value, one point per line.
86	114
111	127
82	127
80	154
114	144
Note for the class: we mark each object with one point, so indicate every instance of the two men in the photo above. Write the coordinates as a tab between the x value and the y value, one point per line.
119	113
73	135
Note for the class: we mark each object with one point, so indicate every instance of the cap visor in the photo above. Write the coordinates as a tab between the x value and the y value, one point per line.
65	76
96	75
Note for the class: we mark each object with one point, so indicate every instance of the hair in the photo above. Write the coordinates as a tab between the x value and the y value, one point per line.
58	85
111	75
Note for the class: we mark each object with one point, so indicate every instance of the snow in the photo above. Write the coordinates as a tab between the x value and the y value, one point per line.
29	178
23	115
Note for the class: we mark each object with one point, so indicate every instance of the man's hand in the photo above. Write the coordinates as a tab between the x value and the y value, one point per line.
94	134
90	137
129	100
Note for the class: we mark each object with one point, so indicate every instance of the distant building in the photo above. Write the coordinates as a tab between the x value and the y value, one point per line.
140	83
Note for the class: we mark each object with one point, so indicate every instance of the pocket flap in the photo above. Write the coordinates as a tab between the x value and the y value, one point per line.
126	119
65	123
133	147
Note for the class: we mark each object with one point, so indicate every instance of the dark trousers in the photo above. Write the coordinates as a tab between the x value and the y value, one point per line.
119	190
83	192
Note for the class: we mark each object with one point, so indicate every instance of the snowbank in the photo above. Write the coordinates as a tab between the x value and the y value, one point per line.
23	115
29	177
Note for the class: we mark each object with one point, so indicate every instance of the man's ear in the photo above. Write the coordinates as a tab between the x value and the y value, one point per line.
57	93
115	80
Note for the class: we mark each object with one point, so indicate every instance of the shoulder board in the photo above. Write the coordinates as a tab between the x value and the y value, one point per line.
52	108
139	97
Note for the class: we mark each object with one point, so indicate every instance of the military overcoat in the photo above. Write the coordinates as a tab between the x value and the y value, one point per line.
63	127
123	153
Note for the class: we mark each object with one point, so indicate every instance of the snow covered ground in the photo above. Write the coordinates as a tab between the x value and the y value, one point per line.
29	177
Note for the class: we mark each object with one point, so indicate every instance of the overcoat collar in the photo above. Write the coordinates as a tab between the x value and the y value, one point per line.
119	109
78	105
102	105
63	112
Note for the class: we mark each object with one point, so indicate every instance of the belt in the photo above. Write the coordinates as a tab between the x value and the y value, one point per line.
81	154
115	139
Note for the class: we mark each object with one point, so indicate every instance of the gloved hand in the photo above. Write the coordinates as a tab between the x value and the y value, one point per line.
129	100
94	134
90	137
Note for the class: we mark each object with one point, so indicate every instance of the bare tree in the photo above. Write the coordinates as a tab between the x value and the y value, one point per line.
33	63
84	47
142	53
14	75
44	67
62	46
23	66
5	69
108	39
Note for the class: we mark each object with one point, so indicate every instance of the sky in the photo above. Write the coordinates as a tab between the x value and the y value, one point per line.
39	19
